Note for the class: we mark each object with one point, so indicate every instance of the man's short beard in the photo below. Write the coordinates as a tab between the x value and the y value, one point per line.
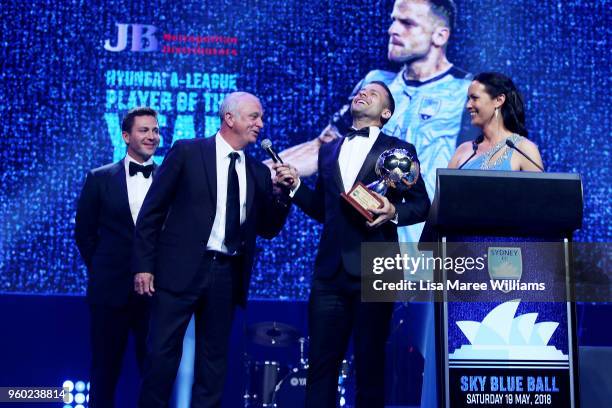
408	60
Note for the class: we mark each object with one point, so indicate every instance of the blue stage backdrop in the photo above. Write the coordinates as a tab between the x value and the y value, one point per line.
70	70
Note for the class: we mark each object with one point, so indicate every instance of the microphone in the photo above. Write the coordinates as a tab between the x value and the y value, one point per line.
475	144
511	145
266	144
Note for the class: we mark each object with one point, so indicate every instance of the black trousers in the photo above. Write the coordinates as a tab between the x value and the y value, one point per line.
336	312
110	329
213	303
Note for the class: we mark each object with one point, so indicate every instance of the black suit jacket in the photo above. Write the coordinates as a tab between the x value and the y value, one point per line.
177	216
104	232
344	228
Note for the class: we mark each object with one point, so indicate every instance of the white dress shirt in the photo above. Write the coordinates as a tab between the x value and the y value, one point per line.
223	150
352	155
137	186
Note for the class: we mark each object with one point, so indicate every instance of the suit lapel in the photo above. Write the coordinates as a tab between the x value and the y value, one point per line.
250	184
155	168
209	157
335	154
370	162
121	191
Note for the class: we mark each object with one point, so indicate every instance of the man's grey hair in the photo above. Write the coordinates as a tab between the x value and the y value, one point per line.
231	102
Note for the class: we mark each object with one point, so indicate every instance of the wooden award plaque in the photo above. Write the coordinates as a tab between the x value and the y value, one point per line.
361	198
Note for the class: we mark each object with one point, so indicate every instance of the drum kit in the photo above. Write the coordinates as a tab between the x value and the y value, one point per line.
270	383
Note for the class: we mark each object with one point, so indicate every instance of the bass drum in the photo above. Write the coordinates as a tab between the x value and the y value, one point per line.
262	381
291	390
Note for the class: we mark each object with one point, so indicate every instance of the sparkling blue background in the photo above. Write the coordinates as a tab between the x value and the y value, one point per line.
302	58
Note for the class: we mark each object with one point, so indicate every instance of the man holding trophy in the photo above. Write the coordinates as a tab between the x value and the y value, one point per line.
367	186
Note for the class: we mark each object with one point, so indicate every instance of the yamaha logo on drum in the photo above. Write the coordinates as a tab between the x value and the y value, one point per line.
298	381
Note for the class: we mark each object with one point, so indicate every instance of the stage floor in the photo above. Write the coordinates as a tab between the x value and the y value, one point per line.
45	341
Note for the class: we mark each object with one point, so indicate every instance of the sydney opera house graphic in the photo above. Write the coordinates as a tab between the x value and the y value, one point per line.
501	336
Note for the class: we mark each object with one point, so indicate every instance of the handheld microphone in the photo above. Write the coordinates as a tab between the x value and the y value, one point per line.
266	144
511	145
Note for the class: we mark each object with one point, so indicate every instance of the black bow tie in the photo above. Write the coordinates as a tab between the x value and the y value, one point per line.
364	132
145	170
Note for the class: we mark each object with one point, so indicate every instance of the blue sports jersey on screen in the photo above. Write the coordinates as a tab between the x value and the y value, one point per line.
431	115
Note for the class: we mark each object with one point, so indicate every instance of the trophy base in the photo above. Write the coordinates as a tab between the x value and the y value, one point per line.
361	199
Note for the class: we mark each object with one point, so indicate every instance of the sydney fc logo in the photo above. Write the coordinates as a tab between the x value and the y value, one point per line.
429	107
505	263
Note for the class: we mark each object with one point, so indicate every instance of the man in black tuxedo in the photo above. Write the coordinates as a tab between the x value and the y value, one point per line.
335	307
194	248
106	213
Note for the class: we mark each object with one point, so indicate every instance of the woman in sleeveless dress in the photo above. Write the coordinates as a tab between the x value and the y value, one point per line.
497	108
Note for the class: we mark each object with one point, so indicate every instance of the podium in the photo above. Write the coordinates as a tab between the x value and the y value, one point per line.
506	327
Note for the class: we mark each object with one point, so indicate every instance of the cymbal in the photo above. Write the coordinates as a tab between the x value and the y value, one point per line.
273	334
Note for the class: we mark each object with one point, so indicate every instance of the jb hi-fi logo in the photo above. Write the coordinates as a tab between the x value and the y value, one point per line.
143	38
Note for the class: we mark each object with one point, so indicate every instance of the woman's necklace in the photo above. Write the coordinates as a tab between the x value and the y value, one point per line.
486	165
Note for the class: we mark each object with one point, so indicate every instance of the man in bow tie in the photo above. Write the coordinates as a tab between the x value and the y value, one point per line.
194	248
106	214
430	94
335	307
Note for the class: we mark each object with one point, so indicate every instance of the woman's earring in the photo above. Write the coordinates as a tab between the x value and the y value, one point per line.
496	112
